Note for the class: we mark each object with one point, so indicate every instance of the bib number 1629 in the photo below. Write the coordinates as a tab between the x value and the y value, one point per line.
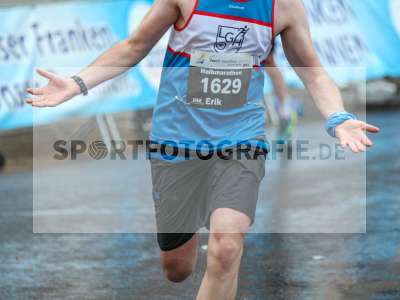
225	86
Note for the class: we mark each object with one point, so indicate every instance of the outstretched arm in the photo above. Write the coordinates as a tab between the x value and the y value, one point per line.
292	24
114	61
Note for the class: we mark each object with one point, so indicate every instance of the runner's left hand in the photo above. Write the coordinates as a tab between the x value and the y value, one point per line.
352	134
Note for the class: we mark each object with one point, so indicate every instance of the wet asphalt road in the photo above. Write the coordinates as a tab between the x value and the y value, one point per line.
275	266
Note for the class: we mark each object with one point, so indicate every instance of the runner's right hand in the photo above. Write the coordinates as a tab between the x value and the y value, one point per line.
58	90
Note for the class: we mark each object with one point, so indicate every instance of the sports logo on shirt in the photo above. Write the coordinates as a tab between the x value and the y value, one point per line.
230	38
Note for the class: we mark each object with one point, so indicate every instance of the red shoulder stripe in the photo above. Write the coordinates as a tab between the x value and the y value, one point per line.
235	18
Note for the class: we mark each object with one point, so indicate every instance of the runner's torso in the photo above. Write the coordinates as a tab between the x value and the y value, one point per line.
220	36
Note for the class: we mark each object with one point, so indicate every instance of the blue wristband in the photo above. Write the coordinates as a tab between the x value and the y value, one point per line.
337	119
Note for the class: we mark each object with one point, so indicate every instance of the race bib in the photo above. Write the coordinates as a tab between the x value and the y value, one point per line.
219	80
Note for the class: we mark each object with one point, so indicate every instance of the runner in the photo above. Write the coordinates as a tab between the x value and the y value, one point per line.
218	98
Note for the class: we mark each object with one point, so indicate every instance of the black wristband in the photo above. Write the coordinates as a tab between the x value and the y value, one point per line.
79	81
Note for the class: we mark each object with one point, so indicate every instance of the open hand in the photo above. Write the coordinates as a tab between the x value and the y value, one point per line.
352	134
58	90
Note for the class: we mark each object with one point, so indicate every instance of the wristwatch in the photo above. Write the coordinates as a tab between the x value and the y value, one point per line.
79	81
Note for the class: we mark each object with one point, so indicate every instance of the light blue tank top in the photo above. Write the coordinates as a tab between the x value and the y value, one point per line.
231	26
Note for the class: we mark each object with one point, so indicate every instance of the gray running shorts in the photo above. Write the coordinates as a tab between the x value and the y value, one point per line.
186	193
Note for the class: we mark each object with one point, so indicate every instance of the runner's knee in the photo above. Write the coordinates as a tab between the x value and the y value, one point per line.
224	251
177	270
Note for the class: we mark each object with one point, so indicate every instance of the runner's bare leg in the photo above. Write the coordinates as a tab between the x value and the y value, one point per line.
178	264
225	248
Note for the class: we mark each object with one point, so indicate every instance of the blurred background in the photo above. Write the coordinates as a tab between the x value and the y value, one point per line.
357	41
